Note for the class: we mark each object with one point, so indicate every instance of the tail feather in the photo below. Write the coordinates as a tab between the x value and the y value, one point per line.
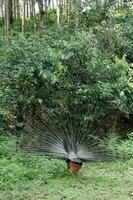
68	142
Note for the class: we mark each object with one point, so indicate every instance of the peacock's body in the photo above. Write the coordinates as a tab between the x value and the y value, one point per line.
71	142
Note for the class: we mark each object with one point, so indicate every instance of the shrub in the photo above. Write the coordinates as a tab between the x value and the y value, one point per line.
69	72
122	147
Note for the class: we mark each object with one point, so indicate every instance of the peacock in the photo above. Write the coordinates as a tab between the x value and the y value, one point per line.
72	142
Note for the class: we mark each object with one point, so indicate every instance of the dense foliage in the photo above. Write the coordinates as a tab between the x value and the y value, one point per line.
87	71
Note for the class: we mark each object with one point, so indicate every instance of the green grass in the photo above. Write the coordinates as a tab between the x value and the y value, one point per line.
38	178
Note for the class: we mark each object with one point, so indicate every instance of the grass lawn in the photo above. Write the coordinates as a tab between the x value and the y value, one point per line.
37	178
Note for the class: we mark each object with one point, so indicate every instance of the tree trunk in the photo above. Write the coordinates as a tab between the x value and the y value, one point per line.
2	11
18	8
27	9
14	9
41	11
23	17
2	16
58	15
31	8
33	13
78	10
11	11
8	16
68	4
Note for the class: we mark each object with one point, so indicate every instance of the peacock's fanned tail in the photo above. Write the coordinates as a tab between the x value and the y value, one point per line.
70	142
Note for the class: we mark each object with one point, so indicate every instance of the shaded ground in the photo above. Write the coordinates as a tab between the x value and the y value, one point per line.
37	178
